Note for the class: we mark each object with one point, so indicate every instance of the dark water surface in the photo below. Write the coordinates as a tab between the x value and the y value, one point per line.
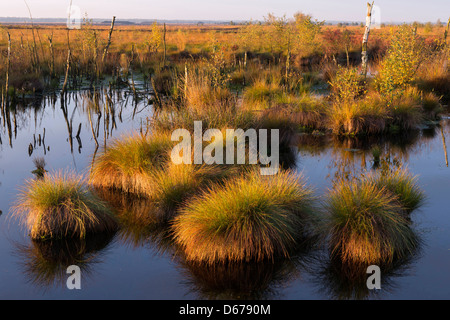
140	264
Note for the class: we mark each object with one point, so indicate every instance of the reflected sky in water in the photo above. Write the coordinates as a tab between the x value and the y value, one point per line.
142	263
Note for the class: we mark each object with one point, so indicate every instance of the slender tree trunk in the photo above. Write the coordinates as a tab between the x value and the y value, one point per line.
67	73
52	53
5	90
35	53
92	127
288	59
3	105
105	52
164	45
185	81
6	101
245	60
446	31
245	67
445	146
348	57
365	57
8	63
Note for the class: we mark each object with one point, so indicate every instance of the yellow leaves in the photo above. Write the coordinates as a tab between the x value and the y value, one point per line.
399	67
347	85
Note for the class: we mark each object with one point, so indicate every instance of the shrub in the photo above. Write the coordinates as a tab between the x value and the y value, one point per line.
399	67
347	85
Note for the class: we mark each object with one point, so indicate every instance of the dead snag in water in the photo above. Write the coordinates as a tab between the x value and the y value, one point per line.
8	63
67	73
445	146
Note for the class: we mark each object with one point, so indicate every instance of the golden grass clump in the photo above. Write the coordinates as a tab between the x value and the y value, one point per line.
128	163
202	96
262	91
401	184
292	112
61	206
249	218
367	224
176	183
366	116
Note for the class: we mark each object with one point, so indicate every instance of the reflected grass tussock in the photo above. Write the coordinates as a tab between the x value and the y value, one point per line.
233	232
247	280
339	280
45	263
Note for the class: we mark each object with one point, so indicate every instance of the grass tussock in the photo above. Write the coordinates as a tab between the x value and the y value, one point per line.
261	93
376	114
201	95
176	184
60	206
367	224
358	117
128	163
401	184
295	111
249	218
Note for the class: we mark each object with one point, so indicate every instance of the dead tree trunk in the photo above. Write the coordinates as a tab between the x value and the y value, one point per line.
445	146
8	63
164	45
67	73
52	53
446	31
105	52
364	54
5	101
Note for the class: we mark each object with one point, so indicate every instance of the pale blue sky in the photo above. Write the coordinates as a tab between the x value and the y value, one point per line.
354	10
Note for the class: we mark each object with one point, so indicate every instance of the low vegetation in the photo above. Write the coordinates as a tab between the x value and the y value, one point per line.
60	206
292	75
367	220
249	218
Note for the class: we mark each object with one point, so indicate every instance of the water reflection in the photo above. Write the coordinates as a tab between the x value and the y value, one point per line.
89	118
342	281
97	111
247	281
139	226
349	157
45	263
